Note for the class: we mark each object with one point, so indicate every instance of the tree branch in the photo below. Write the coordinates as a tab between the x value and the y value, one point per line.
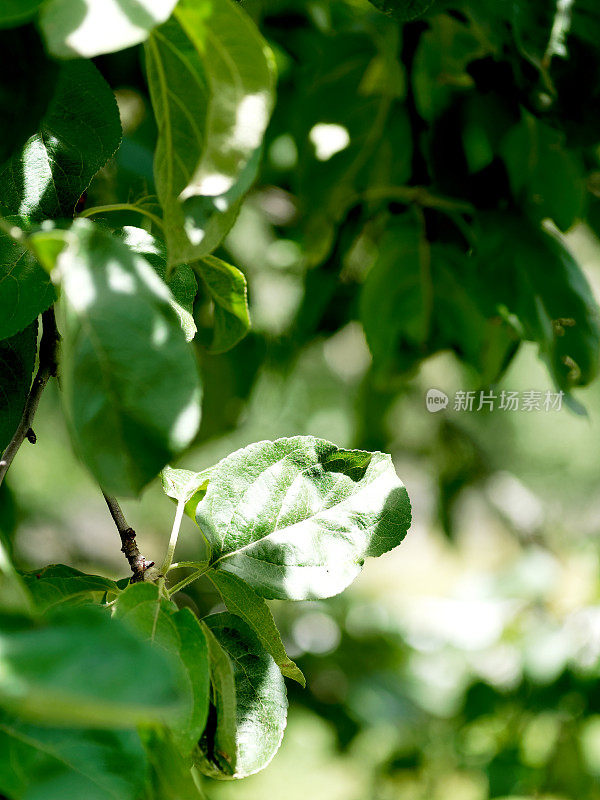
46	370
139	565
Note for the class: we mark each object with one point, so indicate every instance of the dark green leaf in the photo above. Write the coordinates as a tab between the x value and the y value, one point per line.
62	764
171	776
261	703
81	667
243	601
79	133
16	12
25	288
211	81
177	632
56	584
181	280
17	360
403	9
130	383
227	288
72	30
295	518
27	84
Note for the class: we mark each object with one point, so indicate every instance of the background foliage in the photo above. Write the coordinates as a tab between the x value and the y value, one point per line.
424	215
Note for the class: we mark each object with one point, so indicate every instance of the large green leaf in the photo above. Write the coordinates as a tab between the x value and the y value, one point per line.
61	764
260	698
211	79
81	667
17	359
178	632
181	280
56	584
16	12
171	777
73	28
78	134
25	288
130	383
295	518
242	600
14	597
227	288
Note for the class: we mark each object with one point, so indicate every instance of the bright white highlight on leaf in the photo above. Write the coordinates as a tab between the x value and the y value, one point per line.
38	176
160	333
118	279
328	139
104	25
251	120
186	424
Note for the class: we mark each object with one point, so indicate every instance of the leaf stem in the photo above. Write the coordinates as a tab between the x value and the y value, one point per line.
89	212
139	565
190	579
46	370
166	565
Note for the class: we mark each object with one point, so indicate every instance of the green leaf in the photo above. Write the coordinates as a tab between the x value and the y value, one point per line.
25	288
130	383
181	280
260	698
16	12
27	81
216	754
403	10
211	78
74	30
544	175
80	667
14	597
56	584
227	288
177	632
537	279
395	301
17	360
243	601
171	776
60	764
184	485
295	518
78	134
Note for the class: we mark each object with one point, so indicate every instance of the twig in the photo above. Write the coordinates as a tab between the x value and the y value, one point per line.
89	212
139	565
46	370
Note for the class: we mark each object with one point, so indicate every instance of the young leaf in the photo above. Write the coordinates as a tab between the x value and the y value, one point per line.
243	601
17	360
260	699
57	763
295	518
56	584
78	134
181	280
227	287
178	632
211	79
130	383
73	31
25	288
184	485
90	674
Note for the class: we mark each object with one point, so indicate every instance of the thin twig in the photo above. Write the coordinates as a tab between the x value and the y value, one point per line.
139	565
90	212
46	370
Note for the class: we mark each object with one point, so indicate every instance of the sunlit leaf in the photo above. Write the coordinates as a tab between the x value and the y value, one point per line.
57	583
227	287
296	518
